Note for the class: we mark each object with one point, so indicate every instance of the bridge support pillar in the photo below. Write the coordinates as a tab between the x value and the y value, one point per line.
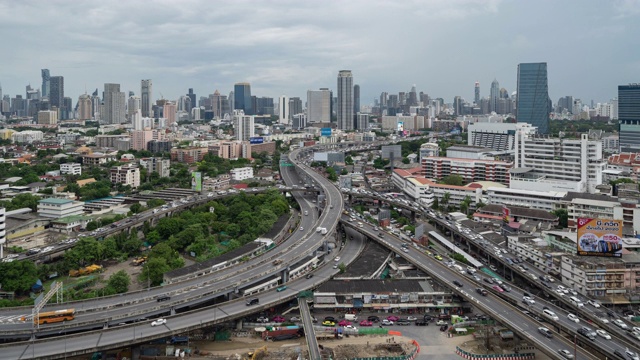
239	324
173	311
106	325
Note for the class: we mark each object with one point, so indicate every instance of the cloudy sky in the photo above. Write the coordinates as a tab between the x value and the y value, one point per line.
288	47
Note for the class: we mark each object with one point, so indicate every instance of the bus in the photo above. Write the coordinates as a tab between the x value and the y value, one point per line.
49	317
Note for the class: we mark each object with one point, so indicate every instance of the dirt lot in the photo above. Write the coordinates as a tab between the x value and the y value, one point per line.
133	272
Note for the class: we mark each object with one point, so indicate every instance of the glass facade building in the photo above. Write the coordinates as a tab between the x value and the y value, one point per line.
532	99
242	98
629	117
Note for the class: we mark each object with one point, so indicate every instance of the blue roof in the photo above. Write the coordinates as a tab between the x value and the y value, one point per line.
55	201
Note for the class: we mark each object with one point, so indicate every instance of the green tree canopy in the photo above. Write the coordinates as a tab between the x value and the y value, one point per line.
119	282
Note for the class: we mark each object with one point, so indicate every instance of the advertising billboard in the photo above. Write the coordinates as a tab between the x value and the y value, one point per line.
599	237
196	181
325	132
401	126
506	214
256	140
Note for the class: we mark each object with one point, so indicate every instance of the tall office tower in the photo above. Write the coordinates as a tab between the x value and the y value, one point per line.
242	98
532	99
476	98
114	105
134	104
629	117
146	98
458	105
66	111
494	94
383	99
46	86
1	102
413	96
362	122
356	99
216	104
169	111
184	103
192	96
614	108
565	103
283	109
96	103
232	101
56	91
318	106
345	100
295	107
262	105
243	125
84	107
504	94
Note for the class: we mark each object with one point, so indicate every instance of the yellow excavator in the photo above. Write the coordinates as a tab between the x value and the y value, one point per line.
258	354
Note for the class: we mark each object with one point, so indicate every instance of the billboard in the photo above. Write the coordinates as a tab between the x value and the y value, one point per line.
196	181
325	132
401	126
256	140
387	150
506	214
599	237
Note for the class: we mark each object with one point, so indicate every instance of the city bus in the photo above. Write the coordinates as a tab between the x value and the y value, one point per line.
49	317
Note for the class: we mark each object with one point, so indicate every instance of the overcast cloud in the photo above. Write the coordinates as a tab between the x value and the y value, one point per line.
288	47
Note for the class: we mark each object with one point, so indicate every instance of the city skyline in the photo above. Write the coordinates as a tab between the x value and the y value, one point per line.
276	57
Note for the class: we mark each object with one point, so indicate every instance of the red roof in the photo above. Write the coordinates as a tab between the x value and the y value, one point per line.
240	186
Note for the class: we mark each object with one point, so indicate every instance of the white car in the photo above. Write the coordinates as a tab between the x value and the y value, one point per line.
573	318
604	320
603	334
301	228
350	327
294	318
528	300
635	329
631	355
621	324
387	322
157	322
337	259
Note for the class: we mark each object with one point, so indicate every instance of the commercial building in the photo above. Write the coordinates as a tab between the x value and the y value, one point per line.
541	200
58	208
533	105
56	91
426	191
84	107
608	280
169	111
146	99
242	98
243	173
114	105
46	86
429	149
110	141
520	214
188	155
629	117
140	139
345	100
71	169
497	136
125	175
556	164
283	109
157	165
47	117
318	106
159	146
401	122
243	125
470	170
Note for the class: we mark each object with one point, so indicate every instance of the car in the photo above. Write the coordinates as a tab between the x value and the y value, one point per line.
294	318
573	318
387	322
438	257
337	259
163	298
546	332
621	324
441	322
335	266
263	319
373	318
278	319
619	354
308	276
281	288
330	318
603	334
481	291
631	355
527	300
497	288
301	228
565	353
586	332
497	281
366	323
328	323
350	327
412	318
506	288
403	322
457	283
393	318
158	322
488	280
594	303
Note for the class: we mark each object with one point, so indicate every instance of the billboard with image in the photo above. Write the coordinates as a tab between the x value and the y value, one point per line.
196	181
599	237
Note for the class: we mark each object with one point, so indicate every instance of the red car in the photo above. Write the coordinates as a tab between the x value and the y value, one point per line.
279	319
393	318
344	323
498	288
366	323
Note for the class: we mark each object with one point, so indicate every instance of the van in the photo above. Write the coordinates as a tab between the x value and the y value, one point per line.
360	224
350	317
575	301
253	301
550	314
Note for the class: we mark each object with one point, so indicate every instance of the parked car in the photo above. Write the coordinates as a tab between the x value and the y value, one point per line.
392	318
373	318
344	323
387	322
328	323
278	319
412	318
403	322
366	323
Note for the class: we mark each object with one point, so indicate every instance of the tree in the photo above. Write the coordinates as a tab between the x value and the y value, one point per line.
135	208
332	176
563	217
445	201
456	180
348	160
119	282
92	225
153	271
435	205
405	160
18	276
344	172
464	205
342	267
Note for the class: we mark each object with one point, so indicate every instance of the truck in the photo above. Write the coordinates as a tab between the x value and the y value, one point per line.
282	332
85	270
139	260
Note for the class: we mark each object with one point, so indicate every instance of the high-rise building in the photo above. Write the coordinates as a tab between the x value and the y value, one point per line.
356	98
146	100
362	122
169	111
458	103
629	117
114	105
84	107
46	78
56	91
283	109
476	97
134	104
192	96
66	111
295	106
494	95
242	98
532	97
243	125
345	100
318	106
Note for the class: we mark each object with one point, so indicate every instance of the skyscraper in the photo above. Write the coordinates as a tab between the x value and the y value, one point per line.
84	107
295	107
283	109
532	99
146	100
46	78
318	106
629	117
242	98
494	94
56	91
345	100
192	96
114	105
243	125
476	98
356	99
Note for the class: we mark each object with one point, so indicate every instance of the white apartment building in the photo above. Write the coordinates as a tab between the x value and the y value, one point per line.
427	191
404	122
428	150
419	190
243	125
242	173
27	136
556	164
158	165
125	175
58	208
71	169
542	200
470	170
497	136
